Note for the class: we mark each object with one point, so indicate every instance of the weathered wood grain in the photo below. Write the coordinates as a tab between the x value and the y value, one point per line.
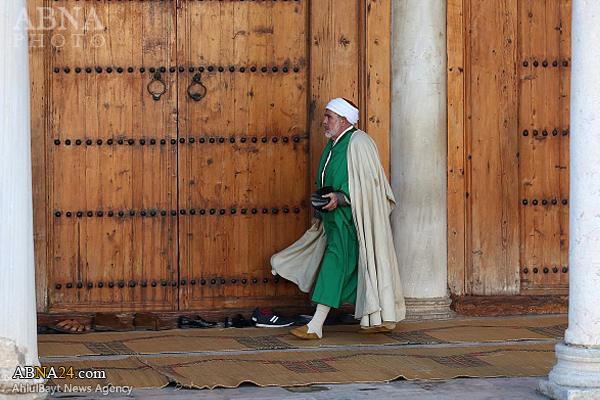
244	162
456	147
515	155
376	73
542	162
39	77
334	60
103	105
489	306
492	126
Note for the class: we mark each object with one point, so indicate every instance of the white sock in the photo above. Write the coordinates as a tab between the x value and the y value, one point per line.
316	323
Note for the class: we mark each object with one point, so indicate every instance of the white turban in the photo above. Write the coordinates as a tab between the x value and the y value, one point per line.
344	108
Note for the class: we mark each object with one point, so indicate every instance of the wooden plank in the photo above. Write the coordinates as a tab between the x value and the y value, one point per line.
155	172
258	119
122	177
67	126
38	75
289	164
91	241
493	124
241	85
565	99
377	57
543	107
541	166
526	142
264	224
200	120
550	166
538	117
183	81
468	149
456	147
334	60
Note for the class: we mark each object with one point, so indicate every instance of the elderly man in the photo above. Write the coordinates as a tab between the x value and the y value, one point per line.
359	264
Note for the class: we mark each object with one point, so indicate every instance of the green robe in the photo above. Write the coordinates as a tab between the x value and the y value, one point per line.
338	276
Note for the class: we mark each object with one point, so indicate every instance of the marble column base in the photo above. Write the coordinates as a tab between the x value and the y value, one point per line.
13	389
575	376
25	391
558	392
428	309
20	389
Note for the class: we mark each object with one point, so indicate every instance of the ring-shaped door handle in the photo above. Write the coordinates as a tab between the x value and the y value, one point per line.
156	95
197	96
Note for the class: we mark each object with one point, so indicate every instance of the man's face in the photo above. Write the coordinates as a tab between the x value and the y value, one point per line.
332	124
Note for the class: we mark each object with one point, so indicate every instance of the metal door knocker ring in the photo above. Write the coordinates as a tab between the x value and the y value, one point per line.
156	95
197	96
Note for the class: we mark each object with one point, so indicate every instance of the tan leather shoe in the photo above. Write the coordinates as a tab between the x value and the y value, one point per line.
377	329
302	333
150	322
104	322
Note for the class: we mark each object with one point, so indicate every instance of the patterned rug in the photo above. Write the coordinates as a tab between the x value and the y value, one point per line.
301	368
232	339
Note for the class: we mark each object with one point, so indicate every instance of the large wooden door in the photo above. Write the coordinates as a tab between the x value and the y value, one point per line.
112	167
509	69
243	158
179	157
181	137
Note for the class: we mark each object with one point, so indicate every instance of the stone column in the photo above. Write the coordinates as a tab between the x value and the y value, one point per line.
18	327
577	373
419	154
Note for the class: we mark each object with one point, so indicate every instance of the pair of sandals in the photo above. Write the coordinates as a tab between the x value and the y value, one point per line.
106	322
70	326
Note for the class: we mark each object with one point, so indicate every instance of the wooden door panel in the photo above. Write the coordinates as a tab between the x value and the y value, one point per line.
248	32
492	161
243	172
263	104
228	259
238	185
543	147
510	62
108	162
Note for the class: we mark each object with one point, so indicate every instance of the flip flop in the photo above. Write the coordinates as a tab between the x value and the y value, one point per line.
70	326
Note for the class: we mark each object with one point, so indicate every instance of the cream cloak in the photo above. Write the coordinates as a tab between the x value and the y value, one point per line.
379	297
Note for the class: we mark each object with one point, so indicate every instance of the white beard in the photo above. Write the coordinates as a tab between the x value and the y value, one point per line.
332	132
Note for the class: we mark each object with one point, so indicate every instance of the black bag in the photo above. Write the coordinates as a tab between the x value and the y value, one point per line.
318	201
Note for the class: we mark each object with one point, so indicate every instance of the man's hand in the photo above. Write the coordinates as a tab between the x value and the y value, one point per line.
333	202
316	222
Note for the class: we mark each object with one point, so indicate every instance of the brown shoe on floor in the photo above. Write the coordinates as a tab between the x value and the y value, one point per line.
70	326
377	329
302	333
109	322
149	322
